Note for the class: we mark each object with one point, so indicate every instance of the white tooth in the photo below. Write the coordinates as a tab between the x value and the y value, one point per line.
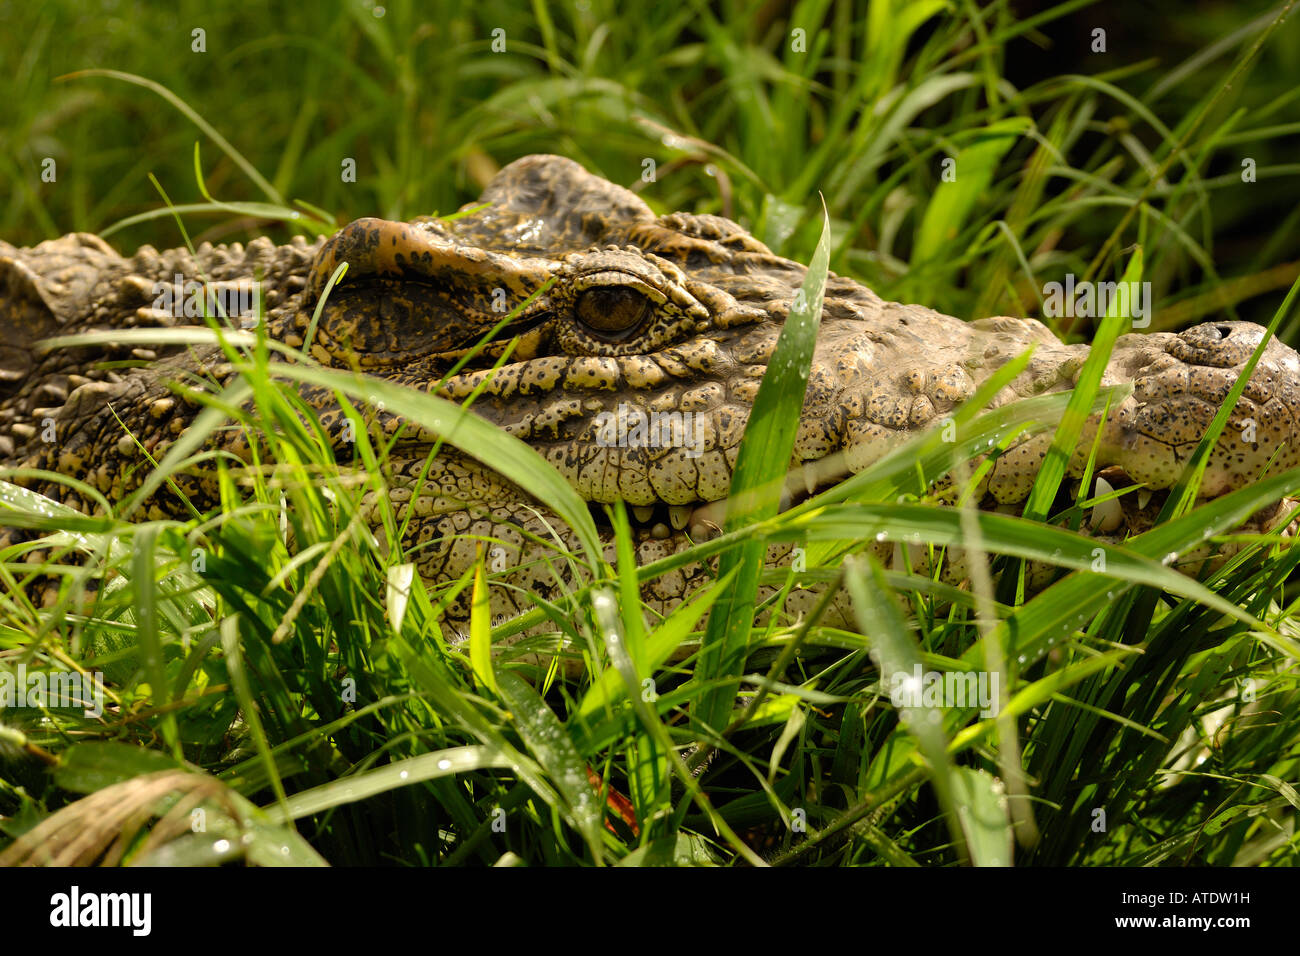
704	531
660	531
1144	498
1108	515
643	513
679	515
786	498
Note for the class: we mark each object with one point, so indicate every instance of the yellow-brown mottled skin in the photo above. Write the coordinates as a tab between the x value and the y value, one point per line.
666	313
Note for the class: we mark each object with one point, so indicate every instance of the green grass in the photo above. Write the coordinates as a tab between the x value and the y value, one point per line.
278	665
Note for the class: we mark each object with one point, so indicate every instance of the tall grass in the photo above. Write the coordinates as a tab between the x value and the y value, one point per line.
278	665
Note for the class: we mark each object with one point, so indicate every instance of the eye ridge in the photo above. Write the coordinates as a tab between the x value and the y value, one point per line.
612	311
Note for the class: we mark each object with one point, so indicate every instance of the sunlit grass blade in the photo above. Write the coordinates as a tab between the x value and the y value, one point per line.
1006	534
480	629
981	809
757	484
1066	439
400	773
899	659
1051	616
549	742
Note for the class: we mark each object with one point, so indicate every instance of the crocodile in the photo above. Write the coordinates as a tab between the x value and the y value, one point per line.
605	318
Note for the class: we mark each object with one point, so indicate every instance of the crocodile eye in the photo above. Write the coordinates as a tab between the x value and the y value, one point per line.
613	311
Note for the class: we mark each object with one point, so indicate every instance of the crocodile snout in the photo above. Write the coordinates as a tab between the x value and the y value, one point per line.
1179	383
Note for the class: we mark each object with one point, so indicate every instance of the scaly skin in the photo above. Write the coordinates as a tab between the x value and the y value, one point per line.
678	313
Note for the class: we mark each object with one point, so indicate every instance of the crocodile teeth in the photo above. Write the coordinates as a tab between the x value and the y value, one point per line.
704	530
680	516
152	316
643	513
1144	498
1108	515
660	531
135	287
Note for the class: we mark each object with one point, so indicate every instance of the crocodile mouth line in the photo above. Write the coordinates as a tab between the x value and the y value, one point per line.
1124	505
660	521
696	521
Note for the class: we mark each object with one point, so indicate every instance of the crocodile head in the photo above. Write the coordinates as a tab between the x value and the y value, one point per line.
627	348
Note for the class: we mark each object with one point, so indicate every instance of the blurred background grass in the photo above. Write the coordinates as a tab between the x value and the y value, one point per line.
737	121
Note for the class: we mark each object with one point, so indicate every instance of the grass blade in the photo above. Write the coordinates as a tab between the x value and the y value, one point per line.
761	468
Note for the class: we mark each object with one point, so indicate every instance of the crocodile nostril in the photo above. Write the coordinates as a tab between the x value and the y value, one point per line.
1223	330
